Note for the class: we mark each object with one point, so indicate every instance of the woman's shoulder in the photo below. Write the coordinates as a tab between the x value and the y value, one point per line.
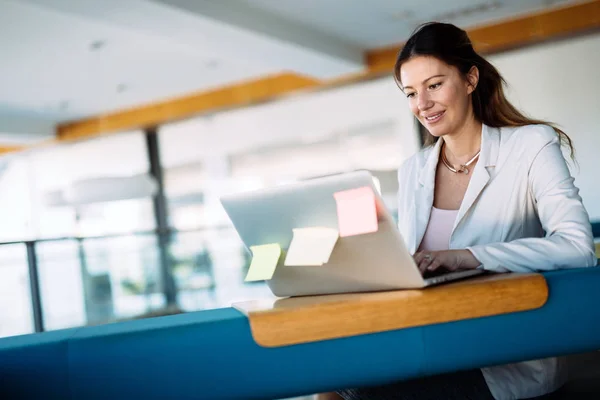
526	142
531	137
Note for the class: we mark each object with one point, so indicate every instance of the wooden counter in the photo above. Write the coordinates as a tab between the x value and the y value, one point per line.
296	320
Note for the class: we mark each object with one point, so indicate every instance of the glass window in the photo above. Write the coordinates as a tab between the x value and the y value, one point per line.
185	193
61	284
115	217
60	172
184	147
123	277
210	267
15	199
193	270
16	315
98	280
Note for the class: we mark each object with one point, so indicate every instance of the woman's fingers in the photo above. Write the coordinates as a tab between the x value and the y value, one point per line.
418	257
428	262
435	264
425	261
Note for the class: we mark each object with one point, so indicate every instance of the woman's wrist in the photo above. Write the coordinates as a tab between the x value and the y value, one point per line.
468	260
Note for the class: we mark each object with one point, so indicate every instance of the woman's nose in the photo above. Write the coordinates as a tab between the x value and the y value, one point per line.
424	102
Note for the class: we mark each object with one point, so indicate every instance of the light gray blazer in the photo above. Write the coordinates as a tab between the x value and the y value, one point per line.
521	211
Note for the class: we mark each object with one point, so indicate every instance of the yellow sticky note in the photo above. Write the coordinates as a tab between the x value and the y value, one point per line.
311	246
264	261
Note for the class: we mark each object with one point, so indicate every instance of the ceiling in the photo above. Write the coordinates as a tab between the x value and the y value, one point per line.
68	59
380	23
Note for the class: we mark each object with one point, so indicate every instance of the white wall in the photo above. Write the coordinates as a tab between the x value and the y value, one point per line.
307	118
560	82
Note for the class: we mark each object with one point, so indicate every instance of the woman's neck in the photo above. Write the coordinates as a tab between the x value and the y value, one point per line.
463	144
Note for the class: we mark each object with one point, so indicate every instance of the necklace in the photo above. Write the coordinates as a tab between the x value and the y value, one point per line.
462	167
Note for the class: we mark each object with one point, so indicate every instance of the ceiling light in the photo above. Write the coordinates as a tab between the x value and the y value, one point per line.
97	45
211	64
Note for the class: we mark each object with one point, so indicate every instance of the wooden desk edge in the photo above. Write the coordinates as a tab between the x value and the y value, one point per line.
285	322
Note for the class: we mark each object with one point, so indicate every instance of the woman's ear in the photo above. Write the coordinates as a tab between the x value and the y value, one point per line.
472	79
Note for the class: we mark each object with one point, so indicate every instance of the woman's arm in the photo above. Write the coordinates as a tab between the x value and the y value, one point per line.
452	260
568	242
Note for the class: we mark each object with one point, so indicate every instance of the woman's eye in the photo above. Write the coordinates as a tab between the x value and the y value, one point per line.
435	85
410	95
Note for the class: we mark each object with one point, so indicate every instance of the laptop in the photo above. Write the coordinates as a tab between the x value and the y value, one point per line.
363	263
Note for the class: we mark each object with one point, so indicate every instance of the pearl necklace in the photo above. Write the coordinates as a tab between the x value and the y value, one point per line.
463	167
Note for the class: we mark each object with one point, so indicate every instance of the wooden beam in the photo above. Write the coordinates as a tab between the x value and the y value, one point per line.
11	149
514	33
236	95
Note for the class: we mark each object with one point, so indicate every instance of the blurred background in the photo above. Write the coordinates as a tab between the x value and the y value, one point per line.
123	122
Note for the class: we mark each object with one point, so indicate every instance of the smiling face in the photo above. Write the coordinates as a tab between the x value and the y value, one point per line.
438	94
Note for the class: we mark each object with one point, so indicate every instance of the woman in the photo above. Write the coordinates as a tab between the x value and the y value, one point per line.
490	190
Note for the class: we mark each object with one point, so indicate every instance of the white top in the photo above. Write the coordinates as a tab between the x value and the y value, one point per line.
439	229
521	212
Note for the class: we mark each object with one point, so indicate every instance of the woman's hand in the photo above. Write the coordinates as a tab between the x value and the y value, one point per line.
452	260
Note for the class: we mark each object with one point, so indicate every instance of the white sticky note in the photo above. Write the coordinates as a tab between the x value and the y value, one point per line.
264	262
311	246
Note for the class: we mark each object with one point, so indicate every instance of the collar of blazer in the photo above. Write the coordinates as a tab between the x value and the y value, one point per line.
490	146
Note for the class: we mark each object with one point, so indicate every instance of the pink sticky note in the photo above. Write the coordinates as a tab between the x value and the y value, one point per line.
357	213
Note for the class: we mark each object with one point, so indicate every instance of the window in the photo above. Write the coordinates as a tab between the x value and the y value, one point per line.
59	171
15	303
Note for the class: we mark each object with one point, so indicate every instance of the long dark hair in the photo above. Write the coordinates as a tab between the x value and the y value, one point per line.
452	45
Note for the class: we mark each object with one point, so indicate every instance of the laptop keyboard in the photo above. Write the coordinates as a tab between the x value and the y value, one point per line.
436	273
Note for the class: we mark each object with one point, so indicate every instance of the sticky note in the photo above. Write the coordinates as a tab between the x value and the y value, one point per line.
264	261
311	246
356	210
